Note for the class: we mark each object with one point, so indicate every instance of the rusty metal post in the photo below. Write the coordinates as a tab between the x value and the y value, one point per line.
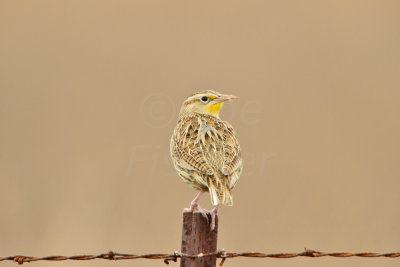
197	238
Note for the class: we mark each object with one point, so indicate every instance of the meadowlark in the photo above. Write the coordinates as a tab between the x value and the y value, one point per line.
205	150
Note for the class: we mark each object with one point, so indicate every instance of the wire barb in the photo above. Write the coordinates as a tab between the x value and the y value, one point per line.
222	254
174	258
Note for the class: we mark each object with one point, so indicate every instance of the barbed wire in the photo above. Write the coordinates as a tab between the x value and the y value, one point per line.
222	254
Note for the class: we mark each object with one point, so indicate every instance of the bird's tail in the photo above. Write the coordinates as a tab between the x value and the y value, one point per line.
219	192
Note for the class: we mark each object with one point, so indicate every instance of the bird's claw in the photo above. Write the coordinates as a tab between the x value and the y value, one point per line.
196	207
212	224
204	213
213	213
193	207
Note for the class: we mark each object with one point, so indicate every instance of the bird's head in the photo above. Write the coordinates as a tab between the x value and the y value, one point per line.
205	102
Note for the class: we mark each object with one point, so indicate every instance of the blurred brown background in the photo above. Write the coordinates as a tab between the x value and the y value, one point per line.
90	91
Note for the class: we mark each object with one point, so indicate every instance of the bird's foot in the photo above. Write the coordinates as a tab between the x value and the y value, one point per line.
194	206
203	212
213	213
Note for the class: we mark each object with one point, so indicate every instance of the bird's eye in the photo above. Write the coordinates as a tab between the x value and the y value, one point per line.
204	99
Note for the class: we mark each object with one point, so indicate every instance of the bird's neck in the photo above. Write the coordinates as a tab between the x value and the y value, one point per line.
184	113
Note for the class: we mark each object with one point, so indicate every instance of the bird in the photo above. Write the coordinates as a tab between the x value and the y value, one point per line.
205	150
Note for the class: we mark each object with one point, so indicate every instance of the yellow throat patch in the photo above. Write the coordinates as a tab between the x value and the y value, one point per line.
214	109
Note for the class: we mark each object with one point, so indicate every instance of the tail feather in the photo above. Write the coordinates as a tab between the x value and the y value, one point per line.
214	196
220	193
228	200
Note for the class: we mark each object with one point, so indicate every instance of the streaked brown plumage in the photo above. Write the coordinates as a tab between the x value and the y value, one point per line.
205	150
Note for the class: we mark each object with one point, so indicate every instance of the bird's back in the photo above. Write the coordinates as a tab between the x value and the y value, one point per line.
206	153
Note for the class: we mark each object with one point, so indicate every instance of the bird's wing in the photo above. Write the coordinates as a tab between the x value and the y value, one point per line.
210	147
231	152
186	147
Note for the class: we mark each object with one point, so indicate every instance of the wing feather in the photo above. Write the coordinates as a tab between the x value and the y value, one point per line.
232	153
186	149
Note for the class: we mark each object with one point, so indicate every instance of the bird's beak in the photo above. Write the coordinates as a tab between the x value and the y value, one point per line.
223	98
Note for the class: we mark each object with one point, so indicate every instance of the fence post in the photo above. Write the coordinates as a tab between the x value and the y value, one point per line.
197	238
